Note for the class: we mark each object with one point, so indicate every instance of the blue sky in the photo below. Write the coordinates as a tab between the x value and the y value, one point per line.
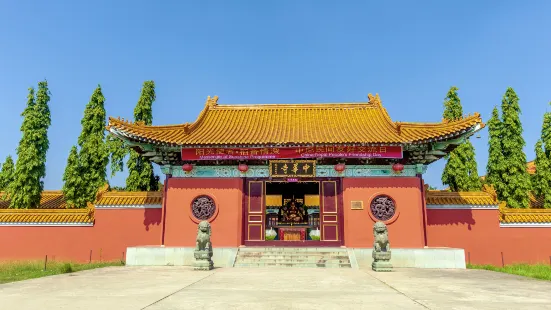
410	52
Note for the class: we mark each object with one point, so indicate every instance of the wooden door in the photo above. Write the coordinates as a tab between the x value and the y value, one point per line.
329	213
254	211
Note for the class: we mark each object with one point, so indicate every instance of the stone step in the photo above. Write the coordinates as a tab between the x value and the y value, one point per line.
324	257
279	260
296	265
307	259
290	249
293	255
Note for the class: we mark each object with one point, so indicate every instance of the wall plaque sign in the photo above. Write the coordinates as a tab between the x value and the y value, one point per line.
293	168
357	205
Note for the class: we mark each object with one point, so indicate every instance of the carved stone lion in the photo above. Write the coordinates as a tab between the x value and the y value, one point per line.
380	233
381	248
202	242
203	247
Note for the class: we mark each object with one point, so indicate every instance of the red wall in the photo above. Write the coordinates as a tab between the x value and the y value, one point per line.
181	229
478	232
406	228
114	231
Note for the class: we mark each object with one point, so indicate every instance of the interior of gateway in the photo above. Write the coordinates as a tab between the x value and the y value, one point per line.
292	211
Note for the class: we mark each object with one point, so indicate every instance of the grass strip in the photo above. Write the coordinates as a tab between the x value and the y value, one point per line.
12	271
538	271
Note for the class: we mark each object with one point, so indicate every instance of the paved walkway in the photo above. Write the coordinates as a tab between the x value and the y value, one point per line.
155	288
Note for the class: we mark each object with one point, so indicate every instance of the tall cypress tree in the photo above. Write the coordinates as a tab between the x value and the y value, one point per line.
7	173
73	181
140	171
30	168
542	178
546	133
495	166
460	172
93	155
516	181
541	181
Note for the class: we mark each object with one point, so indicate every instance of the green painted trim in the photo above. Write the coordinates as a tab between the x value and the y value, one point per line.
351	171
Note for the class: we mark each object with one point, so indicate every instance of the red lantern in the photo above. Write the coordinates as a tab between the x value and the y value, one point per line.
340	167
187	167
397	167
243	168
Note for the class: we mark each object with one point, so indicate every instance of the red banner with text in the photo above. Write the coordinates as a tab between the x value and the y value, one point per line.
292	152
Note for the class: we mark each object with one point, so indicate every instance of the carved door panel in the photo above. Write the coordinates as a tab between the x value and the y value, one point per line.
255	211
329	215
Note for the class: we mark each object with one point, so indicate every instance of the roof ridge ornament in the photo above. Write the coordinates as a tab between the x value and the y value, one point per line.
212	101
375	100
489	188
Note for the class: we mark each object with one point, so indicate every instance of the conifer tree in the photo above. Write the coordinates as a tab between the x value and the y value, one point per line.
140	170
542	178
73	182
546	133
7	173
93	156
30	168
117	152
495	166
516	181
460	172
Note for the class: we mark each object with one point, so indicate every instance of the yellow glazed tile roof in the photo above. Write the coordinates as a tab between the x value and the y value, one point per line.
130	198
53	209
434	197
524	215
47	216
486	197
535	202
531	167
342	123
48	200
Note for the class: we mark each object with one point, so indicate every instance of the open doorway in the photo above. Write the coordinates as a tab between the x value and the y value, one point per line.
292	211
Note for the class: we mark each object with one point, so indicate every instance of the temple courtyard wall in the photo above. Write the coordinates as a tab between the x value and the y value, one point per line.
128	220
405	228
113	230
486	240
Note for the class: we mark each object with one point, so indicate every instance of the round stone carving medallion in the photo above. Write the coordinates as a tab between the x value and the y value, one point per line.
383	207
203	207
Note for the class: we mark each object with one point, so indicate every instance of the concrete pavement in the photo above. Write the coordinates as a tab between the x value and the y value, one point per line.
154	288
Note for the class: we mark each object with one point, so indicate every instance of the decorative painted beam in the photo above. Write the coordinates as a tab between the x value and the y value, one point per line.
351	171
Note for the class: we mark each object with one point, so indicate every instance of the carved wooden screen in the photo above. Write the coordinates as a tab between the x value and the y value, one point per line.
329	211
254	230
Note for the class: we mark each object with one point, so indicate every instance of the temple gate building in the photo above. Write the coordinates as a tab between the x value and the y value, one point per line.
309	175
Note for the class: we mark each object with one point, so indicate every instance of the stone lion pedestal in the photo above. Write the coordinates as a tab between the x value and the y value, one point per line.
203	248
381	248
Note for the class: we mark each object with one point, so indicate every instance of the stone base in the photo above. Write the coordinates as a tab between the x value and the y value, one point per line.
382	256
381	266
415	258
381	261
203	265
175	256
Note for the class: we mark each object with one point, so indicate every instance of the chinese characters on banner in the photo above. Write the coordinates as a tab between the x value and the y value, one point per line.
292	168
292	152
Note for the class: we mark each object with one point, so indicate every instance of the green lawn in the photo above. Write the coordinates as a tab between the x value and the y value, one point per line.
23	270
540	271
